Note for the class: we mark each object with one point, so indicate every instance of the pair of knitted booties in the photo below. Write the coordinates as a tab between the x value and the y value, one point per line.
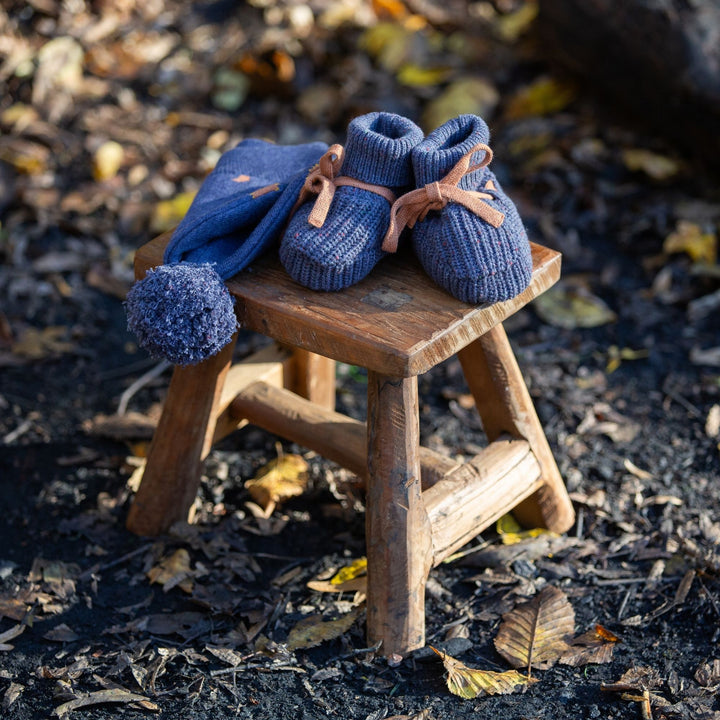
354	205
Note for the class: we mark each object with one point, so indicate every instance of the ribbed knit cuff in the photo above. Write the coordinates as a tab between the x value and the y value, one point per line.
378	149
442	148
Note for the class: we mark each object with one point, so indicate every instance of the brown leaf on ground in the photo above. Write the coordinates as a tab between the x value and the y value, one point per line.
537	633
280	479
636	679
61	633
13	608
593	647
708	675
100	697
130	426
313	630
35	344
10	634
469	683
358	584
173	571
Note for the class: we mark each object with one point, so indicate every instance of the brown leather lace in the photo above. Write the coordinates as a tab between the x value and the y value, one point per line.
415	205
324	180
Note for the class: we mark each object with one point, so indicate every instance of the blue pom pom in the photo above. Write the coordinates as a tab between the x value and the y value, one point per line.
181	312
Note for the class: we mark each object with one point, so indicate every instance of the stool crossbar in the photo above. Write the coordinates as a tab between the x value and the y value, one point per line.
420	505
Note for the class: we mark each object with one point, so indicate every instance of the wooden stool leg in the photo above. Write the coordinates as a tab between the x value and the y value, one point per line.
397	527
314	378
182	439
505	406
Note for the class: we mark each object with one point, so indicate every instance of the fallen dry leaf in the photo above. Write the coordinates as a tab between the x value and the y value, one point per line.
473	95
35	344
61	633
173	571
636	679
593	647
654	165
708	675
168	213
469	683
544	96
349	572
13	608
12	694
313	630
280	479
107	160
104	696
511	532
690	238
358	584
10	634
537	633
570	307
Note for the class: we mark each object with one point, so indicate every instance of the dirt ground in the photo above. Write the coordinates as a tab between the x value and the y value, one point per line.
622	361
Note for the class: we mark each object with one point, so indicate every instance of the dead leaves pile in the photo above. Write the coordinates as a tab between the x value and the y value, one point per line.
535	635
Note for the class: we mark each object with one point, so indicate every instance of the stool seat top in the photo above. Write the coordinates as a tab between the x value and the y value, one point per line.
396	321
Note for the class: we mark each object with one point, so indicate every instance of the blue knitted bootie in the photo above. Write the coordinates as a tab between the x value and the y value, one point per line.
182	310
466	232
333	240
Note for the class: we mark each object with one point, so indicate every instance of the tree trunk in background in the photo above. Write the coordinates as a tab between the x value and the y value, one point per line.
658	58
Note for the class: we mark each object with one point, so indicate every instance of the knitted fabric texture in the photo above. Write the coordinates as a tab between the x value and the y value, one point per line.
464	253
183	312
186	331
345	246
242	205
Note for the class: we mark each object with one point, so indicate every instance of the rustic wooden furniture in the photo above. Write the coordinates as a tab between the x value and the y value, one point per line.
421	505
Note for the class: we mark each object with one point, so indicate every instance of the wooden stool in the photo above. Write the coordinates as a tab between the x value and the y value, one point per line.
421	506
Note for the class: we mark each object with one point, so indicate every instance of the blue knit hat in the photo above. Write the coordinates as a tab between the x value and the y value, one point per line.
333	240
466	232
182	310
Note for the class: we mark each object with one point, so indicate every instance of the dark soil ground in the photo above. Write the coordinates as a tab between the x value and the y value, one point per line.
629	401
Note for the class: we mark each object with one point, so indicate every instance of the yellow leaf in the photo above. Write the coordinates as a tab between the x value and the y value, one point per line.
537	633
168	213
388	43
26	157
107	160
511	26
470	683
313	630
172	571
654	165
543	97
280	479
572	307
511	532
349	572
473	95
413	75
616	355
19	116
689	238
38	344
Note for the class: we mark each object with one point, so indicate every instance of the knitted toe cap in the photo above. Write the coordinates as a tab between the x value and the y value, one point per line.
472	260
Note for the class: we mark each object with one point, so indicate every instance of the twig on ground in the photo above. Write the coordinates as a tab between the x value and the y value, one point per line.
140	383
117	561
